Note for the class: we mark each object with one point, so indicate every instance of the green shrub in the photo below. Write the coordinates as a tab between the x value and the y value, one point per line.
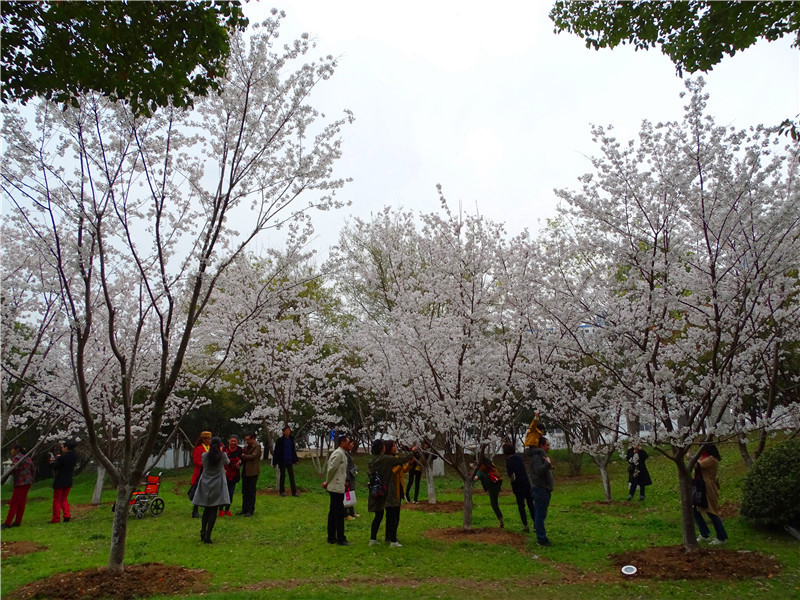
772	487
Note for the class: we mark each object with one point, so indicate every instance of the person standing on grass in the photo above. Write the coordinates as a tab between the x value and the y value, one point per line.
638	475
251	467
284	456
706	470
520	484
334	484
23	475
63	465
384	461
350	483
490	479
212	488
201	446
542	482
232	472
414	476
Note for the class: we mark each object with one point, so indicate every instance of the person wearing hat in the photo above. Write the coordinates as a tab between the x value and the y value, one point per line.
63	465
284	456
201	446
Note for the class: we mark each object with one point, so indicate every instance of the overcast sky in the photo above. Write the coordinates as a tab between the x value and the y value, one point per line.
489	102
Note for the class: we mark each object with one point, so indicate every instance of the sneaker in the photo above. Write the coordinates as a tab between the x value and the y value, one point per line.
501	525
221	513
373	542
344	543
703	540
526	529
544	542
54	521
228	513
66	519
395	545
296	495
357	515
717	542
5	525
349	518
283	494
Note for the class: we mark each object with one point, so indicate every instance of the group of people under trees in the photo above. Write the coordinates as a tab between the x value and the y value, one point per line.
219	467
62	463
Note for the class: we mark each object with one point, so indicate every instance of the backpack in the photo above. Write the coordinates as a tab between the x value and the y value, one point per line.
377	488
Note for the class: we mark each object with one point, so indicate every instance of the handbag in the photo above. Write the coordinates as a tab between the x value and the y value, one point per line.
349	497
699	497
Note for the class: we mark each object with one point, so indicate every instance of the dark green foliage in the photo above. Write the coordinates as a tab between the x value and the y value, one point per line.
148	53
772	487
695	35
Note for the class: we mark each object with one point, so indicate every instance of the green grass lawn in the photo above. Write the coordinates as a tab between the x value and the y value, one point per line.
282	552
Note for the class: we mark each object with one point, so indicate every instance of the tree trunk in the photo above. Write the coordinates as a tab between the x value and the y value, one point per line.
429	479
748	460
603	466
687	520
119	529
574	460
467	521
98	485
176	455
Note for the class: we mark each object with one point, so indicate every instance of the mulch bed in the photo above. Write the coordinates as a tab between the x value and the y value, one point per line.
137	581
675	562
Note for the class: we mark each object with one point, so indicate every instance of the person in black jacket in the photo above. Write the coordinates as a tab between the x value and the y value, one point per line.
284	456
63	465
520	484
542	483
638	475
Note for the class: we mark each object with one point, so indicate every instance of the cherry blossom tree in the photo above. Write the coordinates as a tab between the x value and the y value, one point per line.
689	237
37	398
284	361
139	218
441	328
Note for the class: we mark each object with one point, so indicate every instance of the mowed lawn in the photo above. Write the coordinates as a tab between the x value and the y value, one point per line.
282	551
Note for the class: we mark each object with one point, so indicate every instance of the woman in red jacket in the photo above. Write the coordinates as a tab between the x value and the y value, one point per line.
23	478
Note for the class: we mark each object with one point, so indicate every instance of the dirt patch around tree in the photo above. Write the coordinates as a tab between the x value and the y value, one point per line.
21	547
675	562
446	507
137	581
657	562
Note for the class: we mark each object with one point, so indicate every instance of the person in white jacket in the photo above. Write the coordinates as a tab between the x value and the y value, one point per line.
334	484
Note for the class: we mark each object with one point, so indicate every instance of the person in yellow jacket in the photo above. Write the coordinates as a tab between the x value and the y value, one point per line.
535	431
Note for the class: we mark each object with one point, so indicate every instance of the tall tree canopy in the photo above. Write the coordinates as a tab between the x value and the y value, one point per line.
695	34
148	53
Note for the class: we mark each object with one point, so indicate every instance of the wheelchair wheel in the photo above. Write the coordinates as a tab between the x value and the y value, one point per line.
139	513
156	507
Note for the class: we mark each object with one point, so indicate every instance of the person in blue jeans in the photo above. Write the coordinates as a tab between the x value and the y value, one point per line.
542	482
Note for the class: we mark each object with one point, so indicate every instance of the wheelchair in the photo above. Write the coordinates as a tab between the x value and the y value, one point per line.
147	500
